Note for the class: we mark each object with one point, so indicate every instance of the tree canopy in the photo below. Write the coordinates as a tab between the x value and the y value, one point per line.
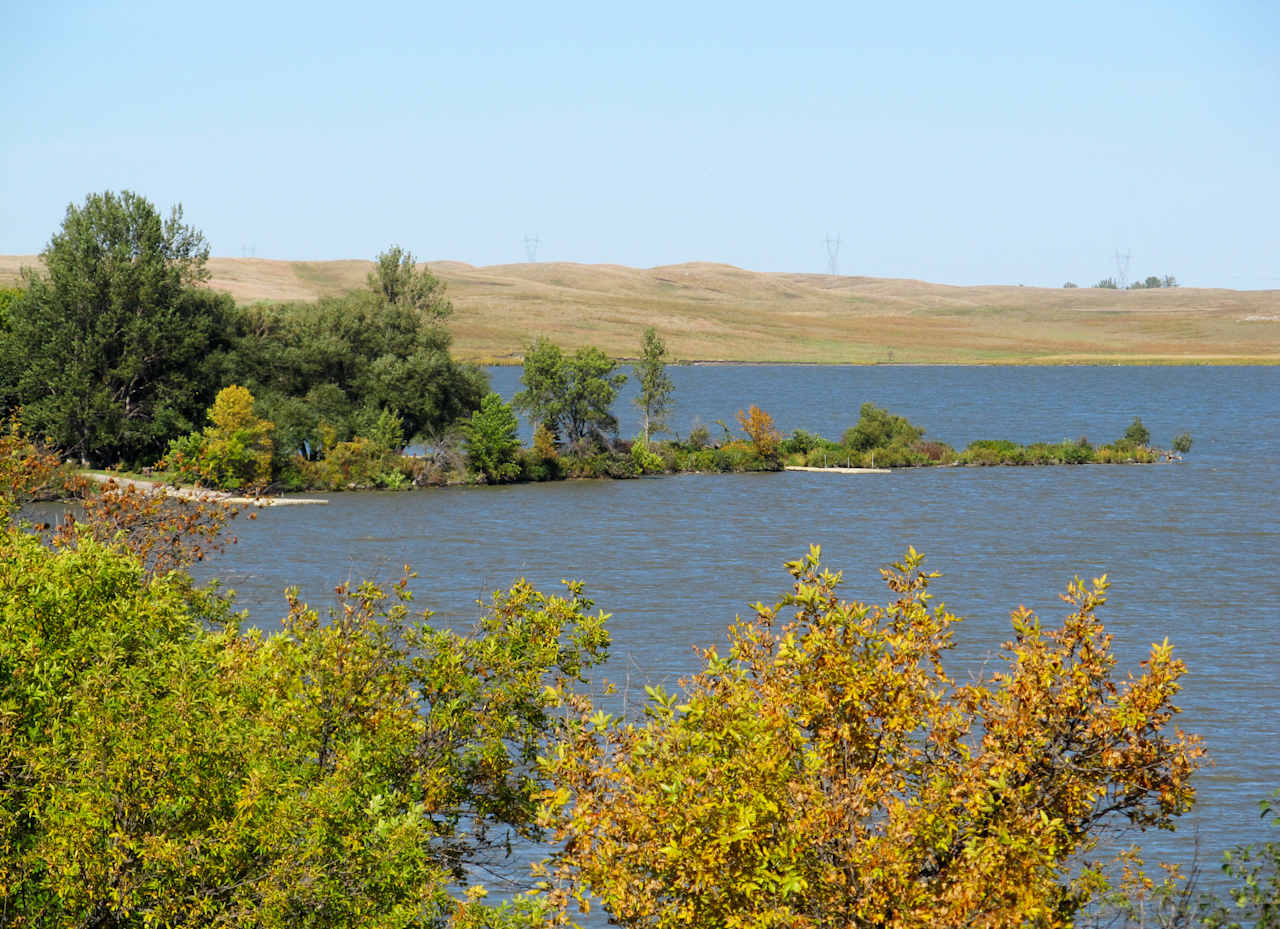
111	342
342	361
571	395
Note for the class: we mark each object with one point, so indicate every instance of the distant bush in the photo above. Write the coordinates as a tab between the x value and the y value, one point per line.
802	441
1137	433
878	428
991	452
935	452
535	466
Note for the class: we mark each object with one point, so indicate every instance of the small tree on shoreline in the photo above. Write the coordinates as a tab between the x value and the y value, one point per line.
654	398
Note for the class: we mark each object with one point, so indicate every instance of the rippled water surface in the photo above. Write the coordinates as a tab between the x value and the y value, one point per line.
1193	549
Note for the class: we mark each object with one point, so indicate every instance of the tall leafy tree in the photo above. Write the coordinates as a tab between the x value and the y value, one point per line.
113	338
397	277
654	398
571	395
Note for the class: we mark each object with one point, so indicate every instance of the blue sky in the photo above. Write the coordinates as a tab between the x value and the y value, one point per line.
958	143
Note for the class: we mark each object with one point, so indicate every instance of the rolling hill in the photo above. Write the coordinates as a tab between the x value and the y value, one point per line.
714	312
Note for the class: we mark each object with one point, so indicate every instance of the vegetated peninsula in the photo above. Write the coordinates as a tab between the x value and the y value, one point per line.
713	312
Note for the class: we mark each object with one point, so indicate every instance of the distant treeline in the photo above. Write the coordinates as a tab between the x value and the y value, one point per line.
884	440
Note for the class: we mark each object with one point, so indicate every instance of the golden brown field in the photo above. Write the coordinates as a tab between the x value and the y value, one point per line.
712	312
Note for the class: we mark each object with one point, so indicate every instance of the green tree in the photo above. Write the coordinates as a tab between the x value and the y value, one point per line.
398	279
112	339
878	428
654	398
571	395
826	771
492	444
343	360
1137	433
593	385
1182	443
10	364
1107	283
546	381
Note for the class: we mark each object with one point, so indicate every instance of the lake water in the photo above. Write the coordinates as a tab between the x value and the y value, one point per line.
1193	549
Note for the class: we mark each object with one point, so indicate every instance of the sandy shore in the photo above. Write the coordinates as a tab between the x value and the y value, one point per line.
198	494
839	470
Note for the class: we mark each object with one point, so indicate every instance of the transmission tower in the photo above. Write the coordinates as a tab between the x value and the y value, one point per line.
833	254
1122	268
531	243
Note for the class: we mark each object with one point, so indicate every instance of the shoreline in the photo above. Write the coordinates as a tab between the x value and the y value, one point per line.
198	494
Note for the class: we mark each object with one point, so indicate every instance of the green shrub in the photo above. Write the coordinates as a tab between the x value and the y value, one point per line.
1075	453
645	460
988	452
537	467
877	428
491	441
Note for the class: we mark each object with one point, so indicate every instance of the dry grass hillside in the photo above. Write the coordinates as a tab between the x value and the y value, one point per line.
712	312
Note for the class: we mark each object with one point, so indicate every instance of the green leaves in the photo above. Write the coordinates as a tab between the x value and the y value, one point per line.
492	441
158	767
570	395
654	396
112	342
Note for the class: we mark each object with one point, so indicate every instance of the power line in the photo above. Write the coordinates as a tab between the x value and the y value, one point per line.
531	243
833	254
1122	268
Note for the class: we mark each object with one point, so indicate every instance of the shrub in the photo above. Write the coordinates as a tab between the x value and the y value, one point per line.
646	461
758	425
825	770
987	452
234	451
801	442
491	441
699	437
935	452
878	428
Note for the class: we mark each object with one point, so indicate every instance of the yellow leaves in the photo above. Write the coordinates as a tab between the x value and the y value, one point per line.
826	771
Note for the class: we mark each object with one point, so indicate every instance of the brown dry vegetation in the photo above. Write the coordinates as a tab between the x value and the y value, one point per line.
712	312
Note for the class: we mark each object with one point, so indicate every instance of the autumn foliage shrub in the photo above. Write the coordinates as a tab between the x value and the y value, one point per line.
827	771
233	451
